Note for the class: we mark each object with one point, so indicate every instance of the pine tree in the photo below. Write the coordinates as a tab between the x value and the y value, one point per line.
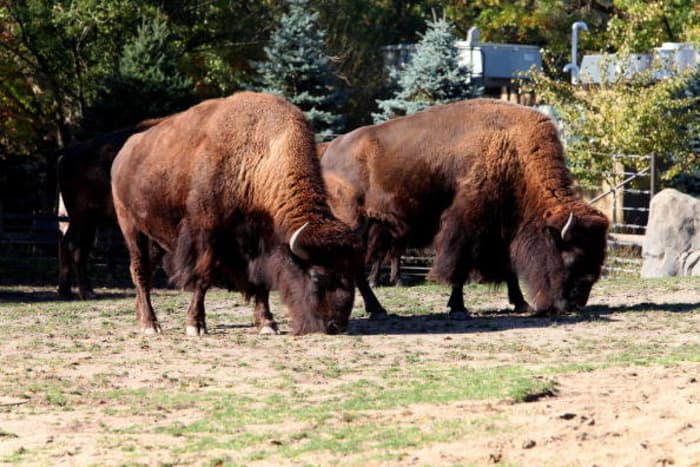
298	68
146	82
433	76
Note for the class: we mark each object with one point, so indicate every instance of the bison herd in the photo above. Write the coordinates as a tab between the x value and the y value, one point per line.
234	193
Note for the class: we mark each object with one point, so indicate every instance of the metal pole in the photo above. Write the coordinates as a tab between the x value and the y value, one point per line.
652	176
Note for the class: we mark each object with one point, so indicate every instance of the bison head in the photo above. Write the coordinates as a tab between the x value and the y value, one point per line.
563	260
320	289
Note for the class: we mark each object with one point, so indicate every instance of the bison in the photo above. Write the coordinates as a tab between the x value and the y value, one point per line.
85	197
486	182
231	190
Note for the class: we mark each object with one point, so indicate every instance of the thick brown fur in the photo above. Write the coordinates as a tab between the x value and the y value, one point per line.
85	197
486	181
221	188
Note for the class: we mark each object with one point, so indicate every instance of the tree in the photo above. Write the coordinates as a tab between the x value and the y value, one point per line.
147	82
433	75
298	68
640	115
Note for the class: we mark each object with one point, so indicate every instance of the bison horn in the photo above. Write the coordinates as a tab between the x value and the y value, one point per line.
567	226
296	249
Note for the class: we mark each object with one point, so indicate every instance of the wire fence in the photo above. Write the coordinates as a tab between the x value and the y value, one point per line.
631	185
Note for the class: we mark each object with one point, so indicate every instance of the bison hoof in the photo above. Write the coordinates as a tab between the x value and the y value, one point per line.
152	330
268	330
86	294
65	294
195	331
524	308
548	313
380	315
458	315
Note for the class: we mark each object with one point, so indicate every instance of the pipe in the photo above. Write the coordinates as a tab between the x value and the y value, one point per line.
573	67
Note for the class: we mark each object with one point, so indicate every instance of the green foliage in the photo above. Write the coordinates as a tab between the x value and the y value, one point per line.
146	83
628	116
637	26
433	75
298	68
61	61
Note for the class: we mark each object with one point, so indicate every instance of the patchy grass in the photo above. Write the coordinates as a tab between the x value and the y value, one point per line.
82	385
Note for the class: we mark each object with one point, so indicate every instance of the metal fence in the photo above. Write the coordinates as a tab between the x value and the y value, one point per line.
631	185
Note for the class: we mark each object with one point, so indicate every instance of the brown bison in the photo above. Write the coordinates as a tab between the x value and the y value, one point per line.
485	181
85	197
231	190
380	246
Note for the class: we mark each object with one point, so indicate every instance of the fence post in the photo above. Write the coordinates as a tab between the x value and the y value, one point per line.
652	176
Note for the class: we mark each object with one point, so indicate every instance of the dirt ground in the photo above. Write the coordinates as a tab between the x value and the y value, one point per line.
626	378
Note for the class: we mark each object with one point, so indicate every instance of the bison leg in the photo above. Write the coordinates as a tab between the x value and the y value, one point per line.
374	270
375	310
73	250
141	274
195	321
457	310
515	295
80	258
395	273
65	264
264	320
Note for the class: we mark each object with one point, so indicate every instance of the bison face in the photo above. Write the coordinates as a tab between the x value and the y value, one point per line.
321	295
567	264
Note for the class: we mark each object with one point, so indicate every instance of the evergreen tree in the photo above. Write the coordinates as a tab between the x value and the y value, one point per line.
298	68
433	76
146	83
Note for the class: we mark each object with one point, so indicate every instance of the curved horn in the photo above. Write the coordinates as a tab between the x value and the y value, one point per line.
296	249
567	226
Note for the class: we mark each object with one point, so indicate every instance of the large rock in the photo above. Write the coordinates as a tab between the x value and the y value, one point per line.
672	242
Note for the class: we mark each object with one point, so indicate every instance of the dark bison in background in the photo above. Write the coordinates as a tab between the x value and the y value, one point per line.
231	190
484	180
85	197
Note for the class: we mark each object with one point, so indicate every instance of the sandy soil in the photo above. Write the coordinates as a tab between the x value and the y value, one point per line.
640	406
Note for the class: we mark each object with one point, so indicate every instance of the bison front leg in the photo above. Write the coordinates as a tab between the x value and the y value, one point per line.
395	271
375	309
515	296
455	304
264	320
195	321
374	270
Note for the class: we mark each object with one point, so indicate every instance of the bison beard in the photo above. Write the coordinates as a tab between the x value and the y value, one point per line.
222	190
486	182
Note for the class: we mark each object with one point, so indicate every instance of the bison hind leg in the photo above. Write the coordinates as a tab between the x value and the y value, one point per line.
195	322
141	274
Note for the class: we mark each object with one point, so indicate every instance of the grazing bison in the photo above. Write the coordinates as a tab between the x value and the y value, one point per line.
486	181
231	190
85	197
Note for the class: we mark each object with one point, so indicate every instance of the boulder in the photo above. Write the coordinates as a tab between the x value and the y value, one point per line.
672	242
